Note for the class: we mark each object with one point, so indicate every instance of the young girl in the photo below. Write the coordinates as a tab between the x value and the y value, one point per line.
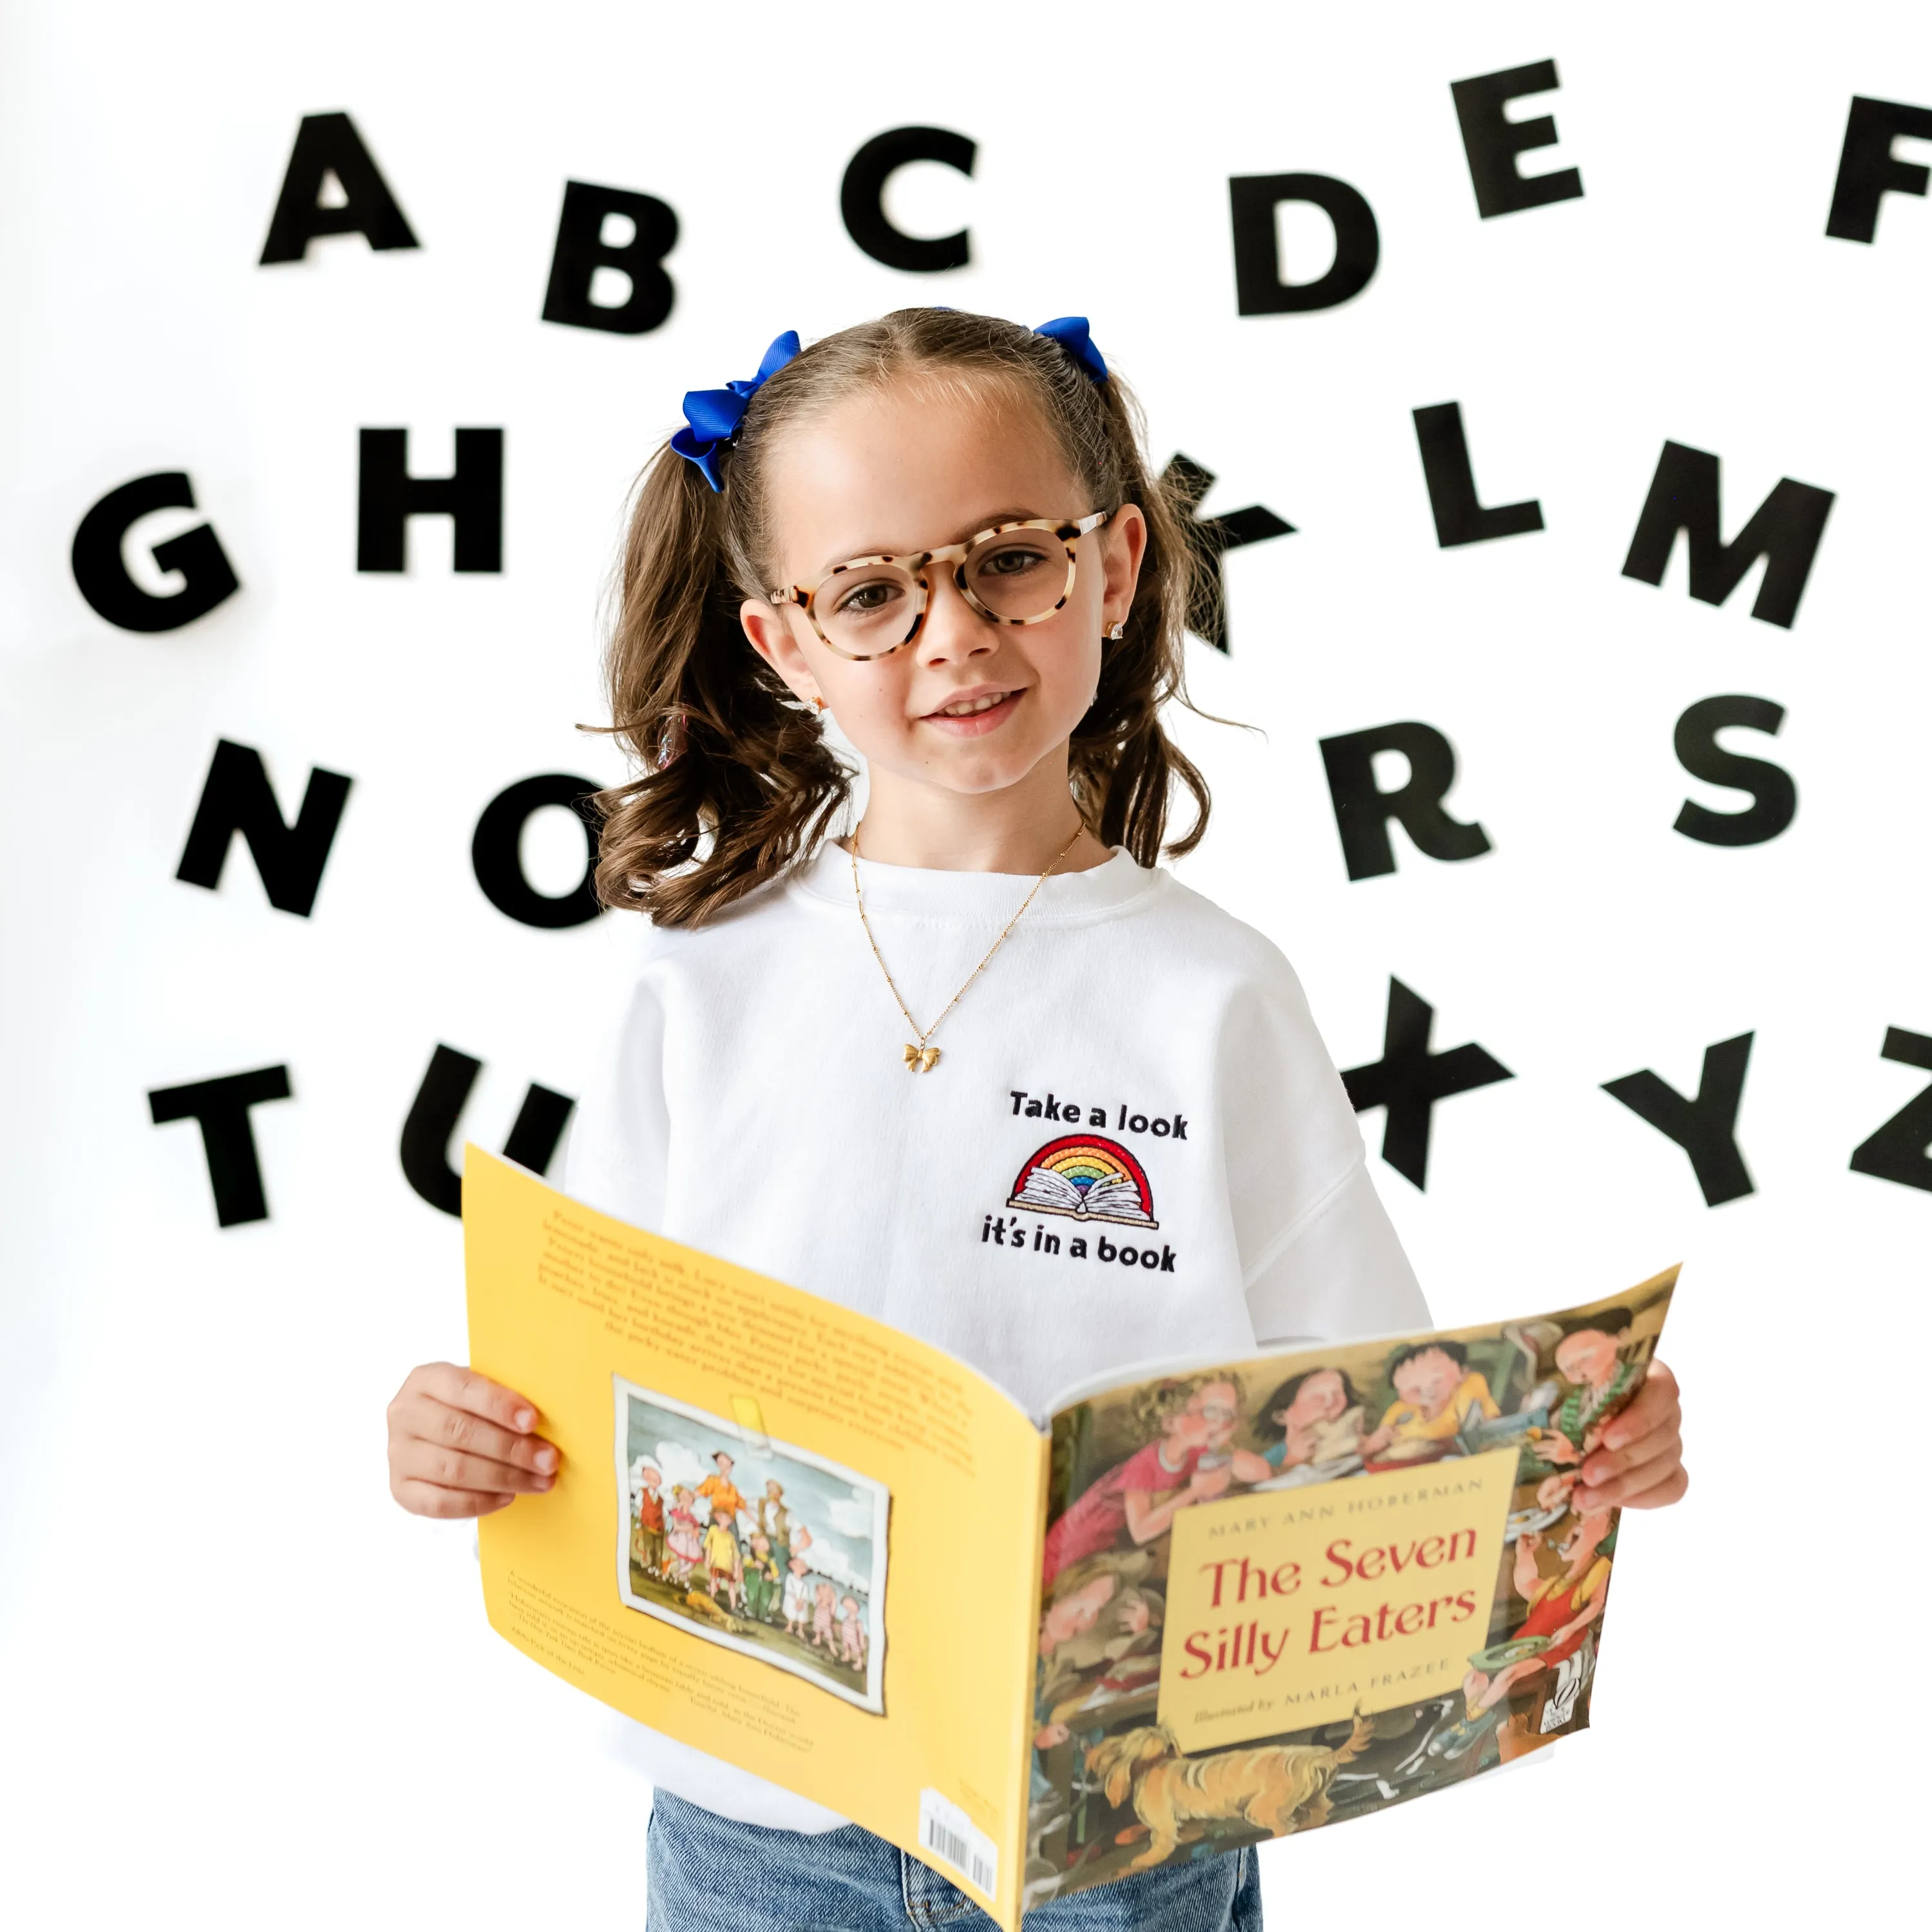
941	530
1318	1418
686	1541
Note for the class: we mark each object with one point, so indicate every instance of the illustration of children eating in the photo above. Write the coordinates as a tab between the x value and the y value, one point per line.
1189	1459
1599	1383
1316	1418
1562	1609
1437	1394
1072	1612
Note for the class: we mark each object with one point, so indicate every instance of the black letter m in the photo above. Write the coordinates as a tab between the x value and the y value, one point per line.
1785	532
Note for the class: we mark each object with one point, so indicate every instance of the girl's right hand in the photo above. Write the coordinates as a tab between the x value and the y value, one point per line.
460	1444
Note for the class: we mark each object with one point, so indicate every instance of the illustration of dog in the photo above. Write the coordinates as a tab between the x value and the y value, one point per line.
1278	1788
709	1609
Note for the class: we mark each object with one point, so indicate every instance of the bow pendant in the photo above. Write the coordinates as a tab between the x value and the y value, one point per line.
922	1059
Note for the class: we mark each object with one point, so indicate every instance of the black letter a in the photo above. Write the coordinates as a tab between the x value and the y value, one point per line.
328	144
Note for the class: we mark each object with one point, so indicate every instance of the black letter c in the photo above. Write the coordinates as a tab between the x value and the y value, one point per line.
864	217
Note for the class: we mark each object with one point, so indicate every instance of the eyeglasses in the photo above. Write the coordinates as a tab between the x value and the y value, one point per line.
1012	573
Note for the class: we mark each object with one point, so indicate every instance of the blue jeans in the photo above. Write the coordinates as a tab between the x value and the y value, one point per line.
705	1873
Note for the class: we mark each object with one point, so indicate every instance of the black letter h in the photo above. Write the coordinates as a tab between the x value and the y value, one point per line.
387	496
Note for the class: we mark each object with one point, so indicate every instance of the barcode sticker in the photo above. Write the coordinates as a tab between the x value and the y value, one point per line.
951	1837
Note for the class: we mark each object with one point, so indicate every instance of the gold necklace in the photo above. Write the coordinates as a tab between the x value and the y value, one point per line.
920	1058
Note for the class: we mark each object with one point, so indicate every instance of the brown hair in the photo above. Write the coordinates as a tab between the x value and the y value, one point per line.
736	784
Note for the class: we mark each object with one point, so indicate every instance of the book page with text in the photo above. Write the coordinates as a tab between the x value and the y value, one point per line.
782	1533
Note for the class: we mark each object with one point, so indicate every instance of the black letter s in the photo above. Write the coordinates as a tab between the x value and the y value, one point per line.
1774	796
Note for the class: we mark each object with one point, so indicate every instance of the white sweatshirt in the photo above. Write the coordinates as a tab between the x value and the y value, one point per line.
1129	1037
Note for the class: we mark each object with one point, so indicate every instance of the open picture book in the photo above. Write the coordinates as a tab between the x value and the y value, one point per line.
1193	1607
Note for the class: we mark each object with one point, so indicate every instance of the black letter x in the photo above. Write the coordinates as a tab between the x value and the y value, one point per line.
1409	1080
1207	613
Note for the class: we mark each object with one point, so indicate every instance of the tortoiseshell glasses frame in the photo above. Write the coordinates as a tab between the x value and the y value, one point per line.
914	567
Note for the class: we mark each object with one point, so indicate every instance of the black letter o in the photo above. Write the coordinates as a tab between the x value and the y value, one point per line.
495	855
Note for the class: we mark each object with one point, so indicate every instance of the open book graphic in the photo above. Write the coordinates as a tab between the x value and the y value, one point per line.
1187	1609
1091	1179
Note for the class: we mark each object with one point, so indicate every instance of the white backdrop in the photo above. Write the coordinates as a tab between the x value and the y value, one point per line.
236	1680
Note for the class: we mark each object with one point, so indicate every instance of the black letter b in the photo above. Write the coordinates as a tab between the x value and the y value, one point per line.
581	251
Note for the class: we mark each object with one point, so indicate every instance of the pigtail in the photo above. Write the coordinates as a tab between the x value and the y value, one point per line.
737	783
1123	765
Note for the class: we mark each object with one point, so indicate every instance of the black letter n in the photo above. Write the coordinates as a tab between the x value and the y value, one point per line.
237	797
1784	530
328	144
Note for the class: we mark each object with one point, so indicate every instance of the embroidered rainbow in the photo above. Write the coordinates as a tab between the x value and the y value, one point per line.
1087	1179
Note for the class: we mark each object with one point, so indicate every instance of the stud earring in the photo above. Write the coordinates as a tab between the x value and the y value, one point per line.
818	706
1119	631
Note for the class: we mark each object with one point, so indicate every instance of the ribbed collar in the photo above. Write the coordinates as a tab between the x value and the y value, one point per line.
973	899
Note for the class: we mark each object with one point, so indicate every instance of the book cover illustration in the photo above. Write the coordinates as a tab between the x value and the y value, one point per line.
755	1545
1270	1604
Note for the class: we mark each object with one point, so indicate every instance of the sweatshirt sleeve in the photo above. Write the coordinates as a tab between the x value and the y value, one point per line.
1320	1259
620	1141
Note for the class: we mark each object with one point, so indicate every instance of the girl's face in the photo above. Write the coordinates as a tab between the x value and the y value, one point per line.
1320	1399
968	707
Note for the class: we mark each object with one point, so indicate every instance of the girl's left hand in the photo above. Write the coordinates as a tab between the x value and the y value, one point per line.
1639	1463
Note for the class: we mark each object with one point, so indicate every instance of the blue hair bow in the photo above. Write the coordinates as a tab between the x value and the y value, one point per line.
712	416
1070	332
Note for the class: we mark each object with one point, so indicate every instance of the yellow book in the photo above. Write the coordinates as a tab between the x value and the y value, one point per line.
1192	1607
